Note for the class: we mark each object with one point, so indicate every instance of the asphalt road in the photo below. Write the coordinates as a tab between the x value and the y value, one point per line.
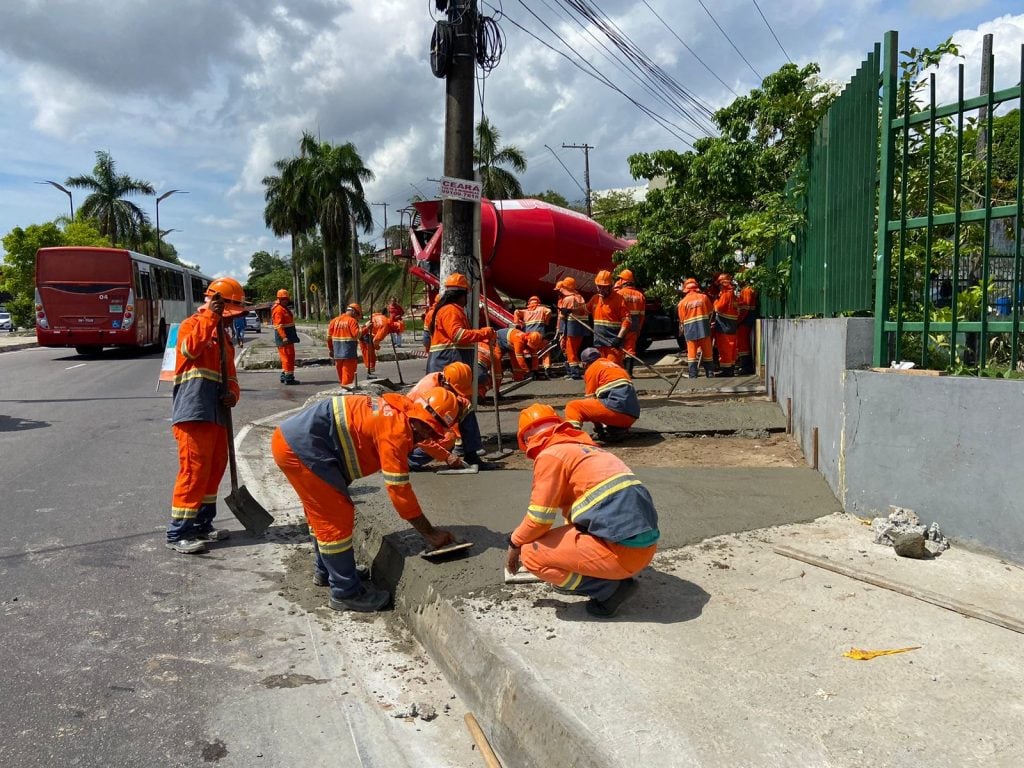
117	652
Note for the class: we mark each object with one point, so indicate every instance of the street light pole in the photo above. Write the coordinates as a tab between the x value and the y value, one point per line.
164	196
66	191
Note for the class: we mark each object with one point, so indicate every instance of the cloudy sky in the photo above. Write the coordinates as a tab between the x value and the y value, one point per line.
204	95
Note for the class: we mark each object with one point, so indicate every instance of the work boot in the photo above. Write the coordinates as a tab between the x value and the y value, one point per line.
709	370
322	580
726	372
371	374
283	377
628	365
472	459
600	433
367	600
214	534
187	546
541	375
610	606
615	434
691	370
290	379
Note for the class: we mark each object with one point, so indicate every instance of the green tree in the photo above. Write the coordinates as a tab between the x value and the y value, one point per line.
333	176
119	219
615	211
267	274
19	268
550	196
148	245
718	197
498	183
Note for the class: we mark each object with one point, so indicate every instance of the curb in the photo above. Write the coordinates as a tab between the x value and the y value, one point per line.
18	347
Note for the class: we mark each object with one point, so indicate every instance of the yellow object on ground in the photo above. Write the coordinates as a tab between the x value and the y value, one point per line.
861	655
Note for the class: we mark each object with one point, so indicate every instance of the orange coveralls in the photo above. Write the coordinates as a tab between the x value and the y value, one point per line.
613	526
373	333
323	449
285	338
198	423
513	341
453	340
535	317
571	309
611	399
636	303
342	335
726	316
611	315
486	356
747	305
695	324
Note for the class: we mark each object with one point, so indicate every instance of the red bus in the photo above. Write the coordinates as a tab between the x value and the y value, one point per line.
90	298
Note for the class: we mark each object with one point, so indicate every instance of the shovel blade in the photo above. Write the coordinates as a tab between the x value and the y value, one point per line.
250	513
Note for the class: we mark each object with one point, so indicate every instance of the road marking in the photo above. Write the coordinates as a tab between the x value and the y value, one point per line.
80	365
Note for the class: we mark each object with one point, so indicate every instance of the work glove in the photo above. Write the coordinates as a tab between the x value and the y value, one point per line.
491	334
228	399
454	462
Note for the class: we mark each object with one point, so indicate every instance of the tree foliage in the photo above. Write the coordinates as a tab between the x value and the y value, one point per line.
726	194
119	219
498	183
19	268
268	273
552	197
614	210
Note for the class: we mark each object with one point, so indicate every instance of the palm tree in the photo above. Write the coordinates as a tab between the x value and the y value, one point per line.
116	218
498	183
335	175
289	210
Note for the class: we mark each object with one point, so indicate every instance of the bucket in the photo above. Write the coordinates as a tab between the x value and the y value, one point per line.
1002	305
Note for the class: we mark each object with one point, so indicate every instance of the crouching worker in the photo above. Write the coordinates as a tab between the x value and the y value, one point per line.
611	403
325	447
613	526
457	378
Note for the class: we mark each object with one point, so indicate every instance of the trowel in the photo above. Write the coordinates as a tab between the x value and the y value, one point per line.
521	576
447	549
470	469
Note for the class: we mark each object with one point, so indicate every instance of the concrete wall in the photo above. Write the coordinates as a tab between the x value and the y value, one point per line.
950	448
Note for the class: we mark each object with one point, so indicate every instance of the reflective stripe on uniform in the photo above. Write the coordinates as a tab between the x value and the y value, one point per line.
197	373
180	513
542	515
601	491
334	547
348	447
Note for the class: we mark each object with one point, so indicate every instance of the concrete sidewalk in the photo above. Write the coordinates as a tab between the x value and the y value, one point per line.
10	342
729	654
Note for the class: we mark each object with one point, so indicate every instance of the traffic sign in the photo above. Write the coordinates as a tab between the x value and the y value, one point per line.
313	288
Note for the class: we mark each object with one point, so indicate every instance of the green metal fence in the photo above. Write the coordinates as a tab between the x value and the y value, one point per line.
949	286
830	262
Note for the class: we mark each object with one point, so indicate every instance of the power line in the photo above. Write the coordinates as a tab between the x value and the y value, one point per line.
735	48
692	52
772	31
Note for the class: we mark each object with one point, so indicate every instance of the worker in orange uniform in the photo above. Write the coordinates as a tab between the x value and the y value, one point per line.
396	314
610	317
197	417
325	447
746	303
285	335
452	341
536	318
488	368
457	378
611	404
342	336
612	529
370	339
694	312
517	344
572	316
427	320
726	317
636	303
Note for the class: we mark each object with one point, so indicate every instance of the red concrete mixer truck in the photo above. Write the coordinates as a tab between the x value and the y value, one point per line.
527	246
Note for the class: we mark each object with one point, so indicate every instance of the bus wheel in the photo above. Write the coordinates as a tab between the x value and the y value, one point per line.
162	338
87	351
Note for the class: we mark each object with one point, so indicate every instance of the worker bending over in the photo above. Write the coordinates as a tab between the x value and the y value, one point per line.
197	417
572	316
611	404
285	335
342	335
610	316
695	311
517	344
612	527
457	378
373	333
325	447
536	318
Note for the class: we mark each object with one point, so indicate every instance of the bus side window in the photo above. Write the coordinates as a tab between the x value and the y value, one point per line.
198	290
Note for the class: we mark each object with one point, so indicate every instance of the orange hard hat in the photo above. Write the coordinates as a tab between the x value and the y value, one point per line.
283	294
691	285
460	377
626	275
724	279
438	409
457	282
231	291
535	299
356	307
535	340
569	283
533	420
604	277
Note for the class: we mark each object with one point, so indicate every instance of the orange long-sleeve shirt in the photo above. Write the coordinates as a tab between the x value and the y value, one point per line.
636	302
342	334
197	380
726	311
610	314
695	315
345	438
284	325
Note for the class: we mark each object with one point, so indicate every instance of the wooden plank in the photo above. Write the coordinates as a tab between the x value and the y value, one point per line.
950	604
910	371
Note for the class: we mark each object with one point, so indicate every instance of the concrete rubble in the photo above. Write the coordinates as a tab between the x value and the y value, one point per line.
903	530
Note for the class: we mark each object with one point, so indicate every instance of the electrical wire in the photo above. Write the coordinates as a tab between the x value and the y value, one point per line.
735	48
772	31
692	52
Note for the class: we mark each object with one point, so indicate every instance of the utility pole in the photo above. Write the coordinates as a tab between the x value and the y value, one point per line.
385	233
586	171
457	215
357	274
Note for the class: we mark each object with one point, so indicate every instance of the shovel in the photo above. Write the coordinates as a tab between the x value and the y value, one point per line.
249	512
